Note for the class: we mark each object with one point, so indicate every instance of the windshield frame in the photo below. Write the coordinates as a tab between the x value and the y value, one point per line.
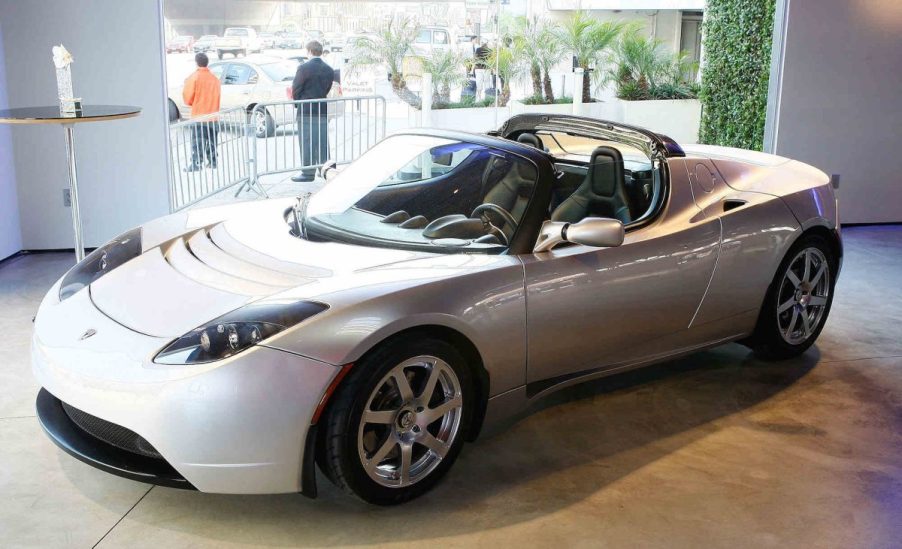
521	241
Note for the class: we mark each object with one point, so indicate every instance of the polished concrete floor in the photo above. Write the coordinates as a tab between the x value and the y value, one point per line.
716	450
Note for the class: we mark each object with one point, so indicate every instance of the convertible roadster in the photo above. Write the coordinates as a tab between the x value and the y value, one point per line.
439	284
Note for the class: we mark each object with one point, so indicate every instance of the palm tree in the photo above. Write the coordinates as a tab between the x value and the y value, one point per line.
511	64
526	34
388	47
447	70
550	53
588	40
642	68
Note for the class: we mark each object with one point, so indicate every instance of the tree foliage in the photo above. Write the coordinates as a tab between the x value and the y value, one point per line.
737	44
388	47
641	68
589	40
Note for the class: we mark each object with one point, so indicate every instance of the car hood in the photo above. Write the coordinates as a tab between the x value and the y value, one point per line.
198	265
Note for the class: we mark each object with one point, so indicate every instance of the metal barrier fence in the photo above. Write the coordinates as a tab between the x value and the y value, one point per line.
208	154
270	138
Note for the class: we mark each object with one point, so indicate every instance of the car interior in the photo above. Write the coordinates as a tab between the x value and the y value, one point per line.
597	178
431	199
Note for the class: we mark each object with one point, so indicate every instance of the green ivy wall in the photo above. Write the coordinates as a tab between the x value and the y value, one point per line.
737	45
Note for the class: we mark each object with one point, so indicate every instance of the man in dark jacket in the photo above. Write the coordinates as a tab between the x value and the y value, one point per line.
312	81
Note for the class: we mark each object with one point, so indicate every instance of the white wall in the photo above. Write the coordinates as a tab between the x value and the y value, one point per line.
116	46
10	234
838	105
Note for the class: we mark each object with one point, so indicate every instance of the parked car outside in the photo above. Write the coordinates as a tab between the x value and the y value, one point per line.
180	44
335	41
293	41
237	41
432	39
205	43
246	82
267	40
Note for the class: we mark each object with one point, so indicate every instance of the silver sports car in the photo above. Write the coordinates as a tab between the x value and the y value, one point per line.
438	284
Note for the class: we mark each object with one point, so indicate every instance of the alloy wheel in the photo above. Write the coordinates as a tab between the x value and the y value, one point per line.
803	295
260	122
410	421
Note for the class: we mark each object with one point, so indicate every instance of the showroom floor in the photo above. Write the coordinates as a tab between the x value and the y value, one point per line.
717	449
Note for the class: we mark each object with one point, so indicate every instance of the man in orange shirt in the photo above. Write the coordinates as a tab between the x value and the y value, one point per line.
201	93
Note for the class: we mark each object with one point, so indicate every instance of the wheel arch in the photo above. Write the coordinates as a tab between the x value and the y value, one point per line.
471	354
835	243
830	235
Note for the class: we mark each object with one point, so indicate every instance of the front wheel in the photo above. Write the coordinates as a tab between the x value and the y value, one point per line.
798	301
264	125
398	422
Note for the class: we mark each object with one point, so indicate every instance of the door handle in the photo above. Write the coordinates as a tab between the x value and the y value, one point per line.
733	203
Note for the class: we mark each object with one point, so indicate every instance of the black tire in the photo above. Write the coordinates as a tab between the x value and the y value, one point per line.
219	54
768	341
174	114
243	53
339	457
267	128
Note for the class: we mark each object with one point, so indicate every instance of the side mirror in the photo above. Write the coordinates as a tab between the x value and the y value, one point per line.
598	232
329	170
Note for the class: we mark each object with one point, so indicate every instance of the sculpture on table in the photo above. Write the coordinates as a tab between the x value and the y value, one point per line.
62	60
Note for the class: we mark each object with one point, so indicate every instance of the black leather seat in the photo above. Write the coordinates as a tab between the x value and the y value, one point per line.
531	139
510	185
601	194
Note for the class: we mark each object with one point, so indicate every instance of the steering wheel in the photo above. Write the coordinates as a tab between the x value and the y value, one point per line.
481	211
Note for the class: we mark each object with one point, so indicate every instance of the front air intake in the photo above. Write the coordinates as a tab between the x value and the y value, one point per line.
112	434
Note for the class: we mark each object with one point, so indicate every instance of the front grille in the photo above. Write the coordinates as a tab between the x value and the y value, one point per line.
113	434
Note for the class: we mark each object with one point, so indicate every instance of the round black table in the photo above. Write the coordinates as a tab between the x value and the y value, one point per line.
53	115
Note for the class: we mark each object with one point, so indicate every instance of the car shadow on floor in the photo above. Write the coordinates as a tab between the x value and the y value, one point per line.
573	444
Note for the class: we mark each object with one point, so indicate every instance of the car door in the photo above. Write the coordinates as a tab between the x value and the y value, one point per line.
595	309
238	83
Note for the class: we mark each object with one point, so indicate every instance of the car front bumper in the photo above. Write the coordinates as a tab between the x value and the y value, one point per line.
238	426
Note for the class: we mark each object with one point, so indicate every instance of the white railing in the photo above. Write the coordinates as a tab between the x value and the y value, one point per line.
269	138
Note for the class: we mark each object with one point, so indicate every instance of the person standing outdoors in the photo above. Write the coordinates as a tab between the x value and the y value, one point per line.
202	94
313	80
482	69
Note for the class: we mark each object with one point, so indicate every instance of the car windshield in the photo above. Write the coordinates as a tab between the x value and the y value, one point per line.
426	192
280	70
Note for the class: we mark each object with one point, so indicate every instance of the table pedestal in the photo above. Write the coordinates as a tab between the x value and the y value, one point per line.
52	115
73	192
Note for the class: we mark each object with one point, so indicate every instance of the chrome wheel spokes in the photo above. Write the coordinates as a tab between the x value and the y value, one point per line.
260	121
410	421
803	295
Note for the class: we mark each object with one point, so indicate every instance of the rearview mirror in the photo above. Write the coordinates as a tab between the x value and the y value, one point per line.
329	170
598	232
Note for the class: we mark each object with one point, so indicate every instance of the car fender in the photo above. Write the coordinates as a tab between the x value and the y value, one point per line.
487	307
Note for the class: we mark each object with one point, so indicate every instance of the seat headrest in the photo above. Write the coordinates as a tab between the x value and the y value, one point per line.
532	140
606	171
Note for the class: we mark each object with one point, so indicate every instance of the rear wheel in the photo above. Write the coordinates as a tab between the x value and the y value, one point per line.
398	422
798	301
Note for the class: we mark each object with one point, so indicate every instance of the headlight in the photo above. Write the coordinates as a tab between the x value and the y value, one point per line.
236	331
101	261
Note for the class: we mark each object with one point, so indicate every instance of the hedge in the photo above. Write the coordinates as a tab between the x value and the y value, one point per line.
737	43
